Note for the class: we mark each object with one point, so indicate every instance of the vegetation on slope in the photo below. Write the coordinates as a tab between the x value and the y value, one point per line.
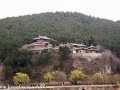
61	26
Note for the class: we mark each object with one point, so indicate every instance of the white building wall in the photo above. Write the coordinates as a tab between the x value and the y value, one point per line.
74	52
81	51
87	54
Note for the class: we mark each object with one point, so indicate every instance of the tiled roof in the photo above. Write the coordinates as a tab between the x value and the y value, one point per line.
41	37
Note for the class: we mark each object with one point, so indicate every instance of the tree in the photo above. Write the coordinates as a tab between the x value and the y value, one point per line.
86	78
21	78
59	76
17	61
76	75
106	79
64	52
44	57
116	78
118	69
91	41
54	74
97	78
48	77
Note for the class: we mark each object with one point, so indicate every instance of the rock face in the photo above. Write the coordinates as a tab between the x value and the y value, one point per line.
105	64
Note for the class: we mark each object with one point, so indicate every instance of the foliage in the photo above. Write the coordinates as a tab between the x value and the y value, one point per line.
21	78
106	79
116	78
97	78
17	61
64	52
48	77
54	74
118	69
91	41
59	76
86	78
76	75
44	57
62	26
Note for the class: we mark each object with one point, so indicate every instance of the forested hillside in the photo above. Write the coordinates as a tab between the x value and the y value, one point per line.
61	26
64	27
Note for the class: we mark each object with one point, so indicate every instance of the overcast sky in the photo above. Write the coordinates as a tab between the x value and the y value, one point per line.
107	9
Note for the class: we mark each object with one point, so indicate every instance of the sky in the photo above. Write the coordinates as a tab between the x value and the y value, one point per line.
106	9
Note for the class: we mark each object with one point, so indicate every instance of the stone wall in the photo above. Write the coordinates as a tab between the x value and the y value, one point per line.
76	88
92	55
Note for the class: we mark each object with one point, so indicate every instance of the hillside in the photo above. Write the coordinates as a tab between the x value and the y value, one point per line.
63	27
105	64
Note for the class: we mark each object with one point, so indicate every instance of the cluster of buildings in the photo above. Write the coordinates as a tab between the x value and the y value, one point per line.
43	43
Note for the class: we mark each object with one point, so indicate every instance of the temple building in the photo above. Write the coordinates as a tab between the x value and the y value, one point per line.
41	39
40	43
81	48
84	51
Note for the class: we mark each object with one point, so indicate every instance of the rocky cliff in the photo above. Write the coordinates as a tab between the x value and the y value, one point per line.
105	64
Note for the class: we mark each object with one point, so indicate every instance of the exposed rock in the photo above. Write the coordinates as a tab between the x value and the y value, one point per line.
105	64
